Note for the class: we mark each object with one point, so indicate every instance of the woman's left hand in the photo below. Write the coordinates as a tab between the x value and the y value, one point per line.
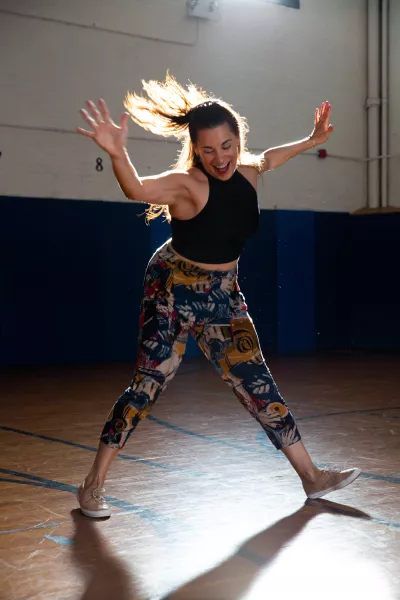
322	128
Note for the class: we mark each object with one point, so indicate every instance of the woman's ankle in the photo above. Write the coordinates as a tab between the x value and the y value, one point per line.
301	461
310	475
94	480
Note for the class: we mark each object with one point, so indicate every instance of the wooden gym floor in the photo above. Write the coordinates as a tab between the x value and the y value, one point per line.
204	506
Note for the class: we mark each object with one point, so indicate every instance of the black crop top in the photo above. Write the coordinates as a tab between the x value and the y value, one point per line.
217	234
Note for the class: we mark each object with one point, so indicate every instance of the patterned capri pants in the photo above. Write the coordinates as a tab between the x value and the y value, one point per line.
181	298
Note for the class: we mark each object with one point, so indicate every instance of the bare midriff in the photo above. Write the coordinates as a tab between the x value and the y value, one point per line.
210	267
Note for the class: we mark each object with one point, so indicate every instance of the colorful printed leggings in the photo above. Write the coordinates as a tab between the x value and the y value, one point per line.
181	298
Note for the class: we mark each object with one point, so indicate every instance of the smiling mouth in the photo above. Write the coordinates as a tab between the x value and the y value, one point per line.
223	169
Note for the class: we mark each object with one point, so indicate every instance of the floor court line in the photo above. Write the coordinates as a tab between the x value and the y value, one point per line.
262	440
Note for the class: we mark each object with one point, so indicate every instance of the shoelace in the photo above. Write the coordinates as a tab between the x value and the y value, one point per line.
97	496
333	469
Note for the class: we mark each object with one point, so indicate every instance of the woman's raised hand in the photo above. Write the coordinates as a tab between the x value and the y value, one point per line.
322	128
109	136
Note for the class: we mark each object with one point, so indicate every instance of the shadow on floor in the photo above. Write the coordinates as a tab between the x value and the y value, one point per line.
108	577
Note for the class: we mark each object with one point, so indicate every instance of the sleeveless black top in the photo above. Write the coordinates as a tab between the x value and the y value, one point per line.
217	234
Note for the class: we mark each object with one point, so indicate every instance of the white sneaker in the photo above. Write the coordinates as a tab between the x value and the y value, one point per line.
92	503
329	481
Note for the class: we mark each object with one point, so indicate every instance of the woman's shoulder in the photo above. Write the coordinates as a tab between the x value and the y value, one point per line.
186	178
197	174
250	173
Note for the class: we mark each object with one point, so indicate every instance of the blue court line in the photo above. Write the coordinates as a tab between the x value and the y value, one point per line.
40	526
206	438
157	521
366	411
144	461
386	523
376	477
386	478
264	442
64	541
160	524
261	437
60	539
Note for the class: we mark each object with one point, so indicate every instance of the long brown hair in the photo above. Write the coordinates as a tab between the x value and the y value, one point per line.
171	110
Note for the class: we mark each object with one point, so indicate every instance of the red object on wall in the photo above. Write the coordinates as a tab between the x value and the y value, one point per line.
322	153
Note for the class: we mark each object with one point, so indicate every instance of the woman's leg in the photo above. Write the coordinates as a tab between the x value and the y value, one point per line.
161	348
235	351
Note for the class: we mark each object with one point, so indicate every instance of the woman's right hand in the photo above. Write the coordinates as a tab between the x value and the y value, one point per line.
109	136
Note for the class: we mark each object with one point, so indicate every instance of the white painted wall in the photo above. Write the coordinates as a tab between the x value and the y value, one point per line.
272	63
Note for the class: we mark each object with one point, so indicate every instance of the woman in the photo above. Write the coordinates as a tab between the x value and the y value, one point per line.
191	284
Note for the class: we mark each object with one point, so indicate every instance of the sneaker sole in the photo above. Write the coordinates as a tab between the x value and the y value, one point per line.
94	514
352	477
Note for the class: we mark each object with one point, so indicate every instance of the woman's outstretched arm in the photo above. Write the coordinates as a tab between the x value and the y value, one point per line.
274	157
166	188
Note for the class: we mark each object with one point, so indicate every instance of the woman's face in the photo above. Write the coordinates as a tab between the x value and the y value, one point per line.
218	149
